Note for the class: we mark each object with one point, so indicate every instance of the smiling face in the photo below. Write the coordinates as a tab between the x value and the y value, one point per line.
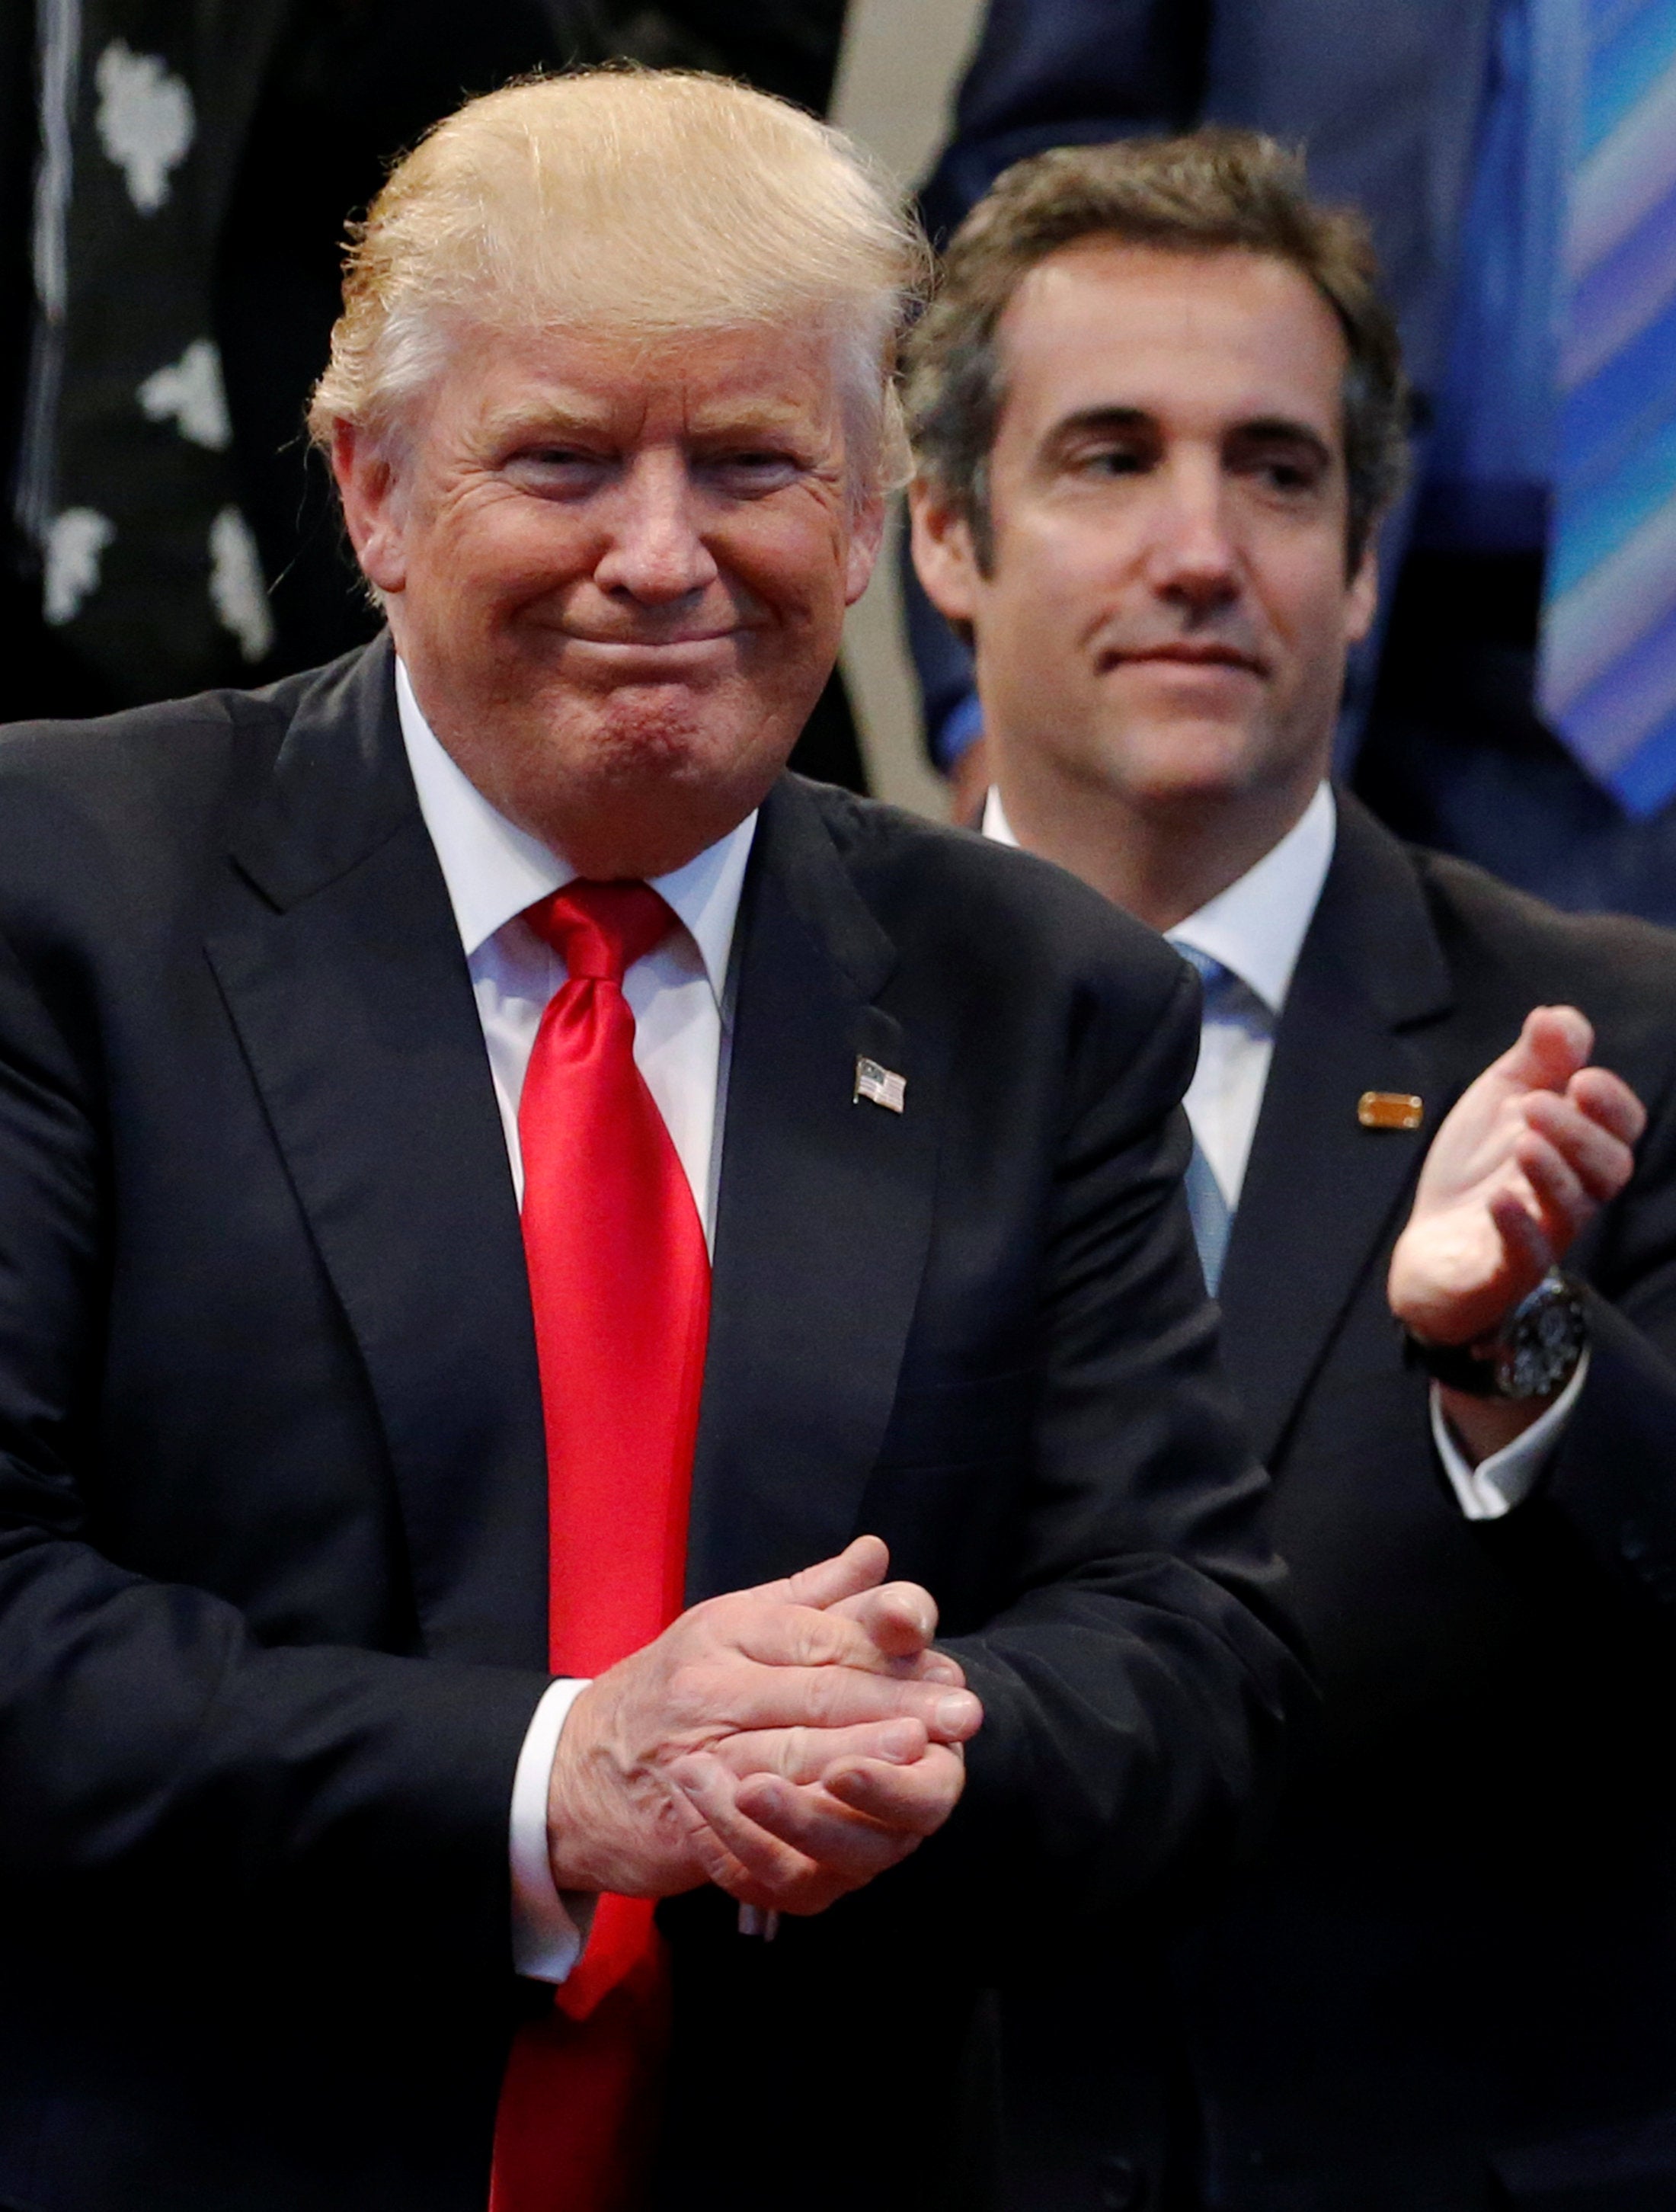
1163	622
617	572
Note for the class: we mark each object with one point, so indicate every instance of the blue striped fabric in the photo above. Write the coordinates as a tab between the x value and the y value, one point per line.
1608	671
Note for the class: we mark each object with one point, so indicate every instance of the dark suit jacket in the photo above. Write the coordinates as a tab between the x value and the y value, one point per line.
1449	1980
272	1497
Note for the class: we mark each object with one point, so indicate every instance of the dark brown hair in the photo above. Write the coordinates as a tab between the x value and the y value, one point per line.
1209	191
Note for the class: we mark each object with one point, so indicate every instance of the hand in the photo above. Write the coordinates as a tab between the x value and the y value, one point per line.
785	1681
1528	1154
881	1791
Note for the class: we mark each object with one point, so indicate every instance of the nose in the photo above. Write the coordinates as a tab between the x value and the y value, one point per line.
1192	560
655	553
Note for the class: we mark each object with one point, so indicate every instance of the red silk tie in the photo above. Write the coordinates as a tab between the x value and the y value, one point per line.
620	1289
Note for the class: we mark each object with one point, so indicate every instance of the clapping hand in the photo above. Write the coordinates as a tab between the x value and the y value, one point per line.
787	1742
1529	1153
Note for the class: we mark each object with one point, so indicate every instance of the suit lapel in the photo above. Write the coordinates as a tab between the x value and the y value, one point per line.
823	1220
341	965
1320	1191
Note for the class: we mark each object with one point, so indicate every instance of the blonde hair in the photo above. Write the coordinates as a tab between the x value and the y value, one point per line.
644	203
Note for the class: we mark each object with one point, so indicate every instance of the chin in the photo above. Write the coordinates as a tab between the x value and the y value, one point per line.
1185	768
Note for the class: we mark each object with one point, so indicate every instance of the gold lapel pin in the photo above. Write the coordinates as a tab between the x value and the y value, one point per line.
1390	1110
879	1084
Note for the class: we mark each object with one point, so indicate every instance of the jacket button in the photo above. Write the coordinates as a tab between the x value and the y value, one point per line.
1122	2185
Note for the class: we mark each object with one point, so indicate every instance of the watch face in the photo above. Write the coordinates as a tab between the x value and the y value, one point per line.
1543	1344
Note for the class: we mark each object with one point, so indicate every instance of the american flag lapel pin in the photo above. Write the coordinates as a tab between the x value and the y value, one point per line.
882	1086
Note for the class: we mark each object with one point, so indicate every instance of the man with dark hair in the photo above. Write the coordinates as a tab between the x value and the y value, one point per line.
1518	708
1158	407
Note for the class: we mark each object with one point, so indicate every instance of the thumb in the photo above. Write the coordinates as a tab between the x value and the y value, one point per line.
1553	1044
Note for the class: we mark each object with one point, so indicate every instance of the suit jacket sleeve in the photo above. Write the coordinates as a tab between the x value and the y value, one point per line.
163	1773
1139	1684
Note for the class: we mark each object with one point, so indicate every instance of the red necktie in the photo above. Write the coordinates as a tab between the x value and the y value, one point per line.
620	1288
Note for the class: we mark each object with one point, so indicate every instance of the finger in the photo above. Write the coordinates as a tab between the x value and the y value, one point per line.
1608	1100
773	1696
916	1800
888	1639
772	1870
1601	1162
758	1867
858	1567
715	1863
1554	1043
841	1843
1530	1253
802	1636
901	1617
1563	1205
805	1754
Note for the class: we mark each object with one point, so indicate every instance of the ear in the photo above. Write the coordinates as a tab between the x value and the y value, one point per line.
365	479
1362	600
861	557
944	554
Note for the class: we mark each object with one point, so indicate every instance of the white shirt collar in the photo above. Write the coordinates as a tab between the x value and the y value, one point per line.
494	870
1257	926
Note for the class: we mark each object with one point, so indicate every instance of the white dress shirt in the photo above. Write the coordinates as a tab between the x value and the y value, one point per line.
1256	929
682	1028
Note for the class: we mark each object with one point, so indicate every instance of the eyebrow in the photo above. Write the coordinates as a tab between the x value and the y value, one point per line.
1281	429
562	413
547	417
1260	430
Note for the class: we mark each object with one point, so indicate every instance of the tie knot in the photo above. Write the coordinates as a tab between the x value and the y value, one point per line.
600	929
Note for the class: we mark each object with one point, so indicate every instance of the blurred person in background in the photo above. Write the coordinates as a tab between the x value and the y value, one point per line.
1158	410
174	187
1514	158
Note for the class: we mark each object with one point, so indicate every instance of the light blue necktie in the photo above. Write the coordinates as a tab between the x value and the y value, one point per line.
1207	1203
1608	666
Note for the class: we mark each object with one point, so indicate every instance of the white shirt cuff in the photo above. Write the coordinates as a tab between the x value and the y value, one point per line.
549	1928
1508	1477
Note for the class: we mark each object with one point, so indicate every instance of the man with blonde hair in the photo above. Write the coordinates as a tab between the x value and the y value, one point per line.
516	1214
1160	409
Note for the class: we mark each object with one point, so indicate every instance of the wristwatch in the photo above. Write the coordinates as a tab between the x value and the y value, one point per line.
1534	1354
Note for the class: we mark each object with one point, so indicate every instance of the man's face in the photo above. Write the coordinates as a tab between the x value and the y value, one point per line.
1167	611
617	573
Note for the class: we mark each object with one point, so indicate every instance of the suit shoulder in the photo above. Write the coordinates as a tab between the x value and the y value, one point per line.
168	744
127	812
1616	958
933	884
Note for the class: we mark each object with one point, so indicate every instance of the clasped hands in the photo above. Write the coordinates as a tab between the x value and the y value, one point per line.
1524	1160
786	1743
